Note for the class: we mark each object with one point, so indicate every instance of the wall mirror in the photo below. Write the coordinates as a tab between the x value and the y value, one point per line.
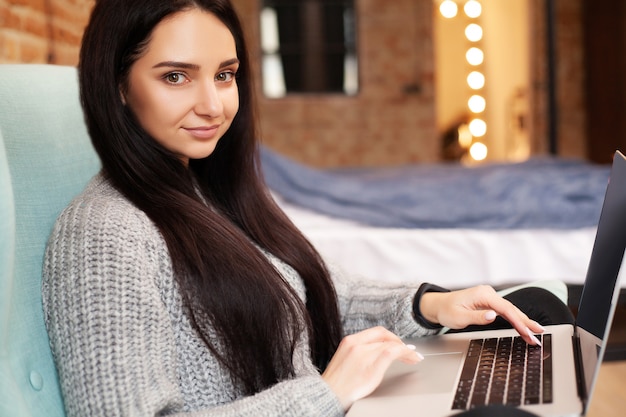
308	46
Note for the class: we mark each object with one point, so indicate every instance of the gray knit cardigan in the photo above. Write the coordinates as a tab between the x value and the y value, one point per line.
123	345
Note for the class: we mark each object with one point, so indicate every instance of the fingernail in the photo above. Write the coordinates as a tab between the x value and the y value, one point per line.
490	315
543	329
533	337
413	347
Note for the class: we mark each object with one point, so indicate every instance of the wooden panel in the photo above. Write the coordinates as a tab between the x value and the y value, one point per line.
608	400
605	64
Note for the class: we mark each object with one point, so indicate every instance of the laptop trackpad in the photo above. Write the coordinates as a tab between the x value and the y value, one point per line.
435	374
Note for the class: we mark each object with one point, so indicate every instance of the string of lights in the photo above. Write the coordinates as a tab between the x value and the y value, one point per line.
470	134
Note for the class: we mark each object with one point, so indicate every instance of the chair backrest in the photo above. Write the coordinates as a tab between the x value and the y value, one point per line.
46	158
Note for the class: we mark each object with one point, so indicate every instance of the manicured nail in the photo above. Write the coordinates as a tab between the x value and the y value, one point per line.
533	337
419	355
490	315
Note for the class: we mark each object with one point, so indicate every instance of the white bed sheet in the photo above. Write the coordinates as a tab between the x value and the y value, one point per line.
452	258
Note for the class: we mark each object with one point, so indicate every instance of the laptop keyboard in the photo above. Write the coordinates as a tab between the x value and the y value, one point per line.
505	370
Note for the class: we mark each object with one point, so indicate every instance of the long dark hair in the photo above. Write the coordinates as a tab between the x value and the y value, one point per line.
228	285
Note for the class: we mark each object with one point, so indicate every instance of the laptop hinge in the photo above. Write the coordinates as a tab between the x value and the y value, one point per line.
580	374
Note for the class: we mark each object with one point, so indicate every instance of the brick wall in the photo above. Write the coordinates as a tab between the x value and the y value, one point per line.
382	125
42	31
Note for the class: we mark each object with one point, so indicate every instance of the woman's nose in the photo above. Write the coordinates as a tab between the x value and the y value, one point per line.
208	100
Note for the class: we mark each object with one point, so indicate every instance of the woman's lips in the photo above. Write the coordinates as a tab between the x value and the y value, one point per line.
202	132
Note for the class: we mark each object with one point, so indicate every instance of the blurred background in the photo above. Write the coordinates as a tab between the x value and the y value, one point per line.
392	82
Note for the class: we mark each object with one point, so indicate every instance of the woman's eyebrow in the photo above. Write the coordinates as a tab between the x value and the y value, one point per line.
176	64
195	67
229	62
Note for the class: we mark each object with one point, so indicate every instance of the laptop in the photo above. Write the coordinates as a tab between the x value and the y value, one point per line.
556	379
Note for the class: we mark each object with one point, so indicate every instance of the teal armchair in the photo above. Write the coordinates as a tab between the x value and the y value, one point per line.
46	158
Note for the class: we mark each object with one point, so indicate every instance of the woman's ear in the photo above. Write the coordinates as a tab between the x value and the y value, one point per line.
122	95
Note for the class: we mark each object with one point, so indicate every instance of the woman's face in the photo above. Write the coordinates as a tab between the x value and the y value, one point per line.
183	89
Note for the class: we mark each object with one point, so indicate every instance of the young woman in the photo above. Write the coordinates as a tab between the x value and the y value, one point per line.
173	284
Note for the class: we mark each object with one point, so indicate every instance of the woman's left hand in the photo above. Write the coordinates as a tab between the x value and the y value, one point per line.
477	305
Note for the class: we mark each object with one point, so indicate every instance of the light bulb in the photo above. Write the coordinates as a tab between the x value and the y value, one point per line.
448	9
478	151
476	80
476	103
465	136
473	32
478	127
473	9
475	56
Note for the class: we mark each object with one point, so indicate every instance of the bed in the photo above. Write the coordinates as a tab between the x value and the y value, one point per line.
457	226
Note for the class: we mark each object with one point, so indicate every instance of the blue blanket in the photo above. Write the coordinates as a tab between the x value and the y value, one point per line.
540	193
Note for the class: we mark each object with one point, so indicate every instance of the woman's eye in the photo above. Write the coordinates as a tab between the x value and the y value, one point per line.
225	76
174	78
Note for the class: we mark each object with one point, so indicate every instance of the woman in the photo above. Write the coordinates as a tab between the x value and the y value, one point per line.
173	284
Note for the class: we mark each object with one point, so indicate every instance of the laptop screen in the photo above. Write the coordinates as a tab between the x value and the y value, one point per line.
599	296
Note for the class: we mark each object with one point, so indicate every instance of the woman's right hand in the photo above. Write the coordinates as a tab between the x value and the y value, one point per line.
361	361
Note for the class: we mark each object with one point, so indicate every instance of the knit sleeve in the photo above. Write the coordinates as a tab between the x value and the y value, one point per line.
366	303
110	332
302	397
107	325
